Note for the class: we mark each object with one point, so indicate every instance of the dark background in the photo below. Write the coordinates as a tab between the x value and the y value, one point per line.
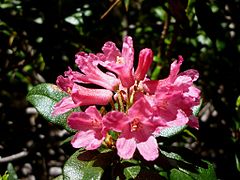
39	39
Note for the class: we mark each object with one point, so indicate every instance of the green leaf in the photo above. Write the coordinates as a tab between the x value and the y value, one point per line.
5	176
11	172
200	173
86	165
156	73
179	175
237	162
131	172
43	97
197	108
171	155
204	173
238	103
126	3
168	132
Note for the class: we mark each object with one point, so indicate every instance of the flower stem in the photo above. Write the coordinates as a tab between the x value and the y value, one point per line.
120	102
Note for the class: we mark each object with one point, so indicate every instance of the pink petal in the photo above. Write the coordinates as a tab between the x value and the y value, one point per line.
119	63
193	122
126	72
93	112
125	75
85	96
125	147
151	86
193	92
87	140
149	149
175	67
83	121
110	51
92	74
144	63
140	109
79	121
181	119
192	73
64	83
115	120
128	51
65	105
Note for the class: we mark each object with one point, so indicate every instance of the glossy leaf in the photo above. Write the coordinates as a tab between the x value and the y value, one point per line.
201	173
187	165
196	109
205	173
86	165
11	171
131	172
168	132
5	176
177	174
43	97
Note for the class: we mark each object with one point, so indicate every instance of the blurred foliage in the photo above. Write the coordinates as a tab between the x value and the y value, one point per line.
38	41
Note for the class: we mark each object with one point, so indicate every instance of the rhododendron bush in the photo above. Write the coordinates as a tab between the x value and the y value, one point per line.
121	120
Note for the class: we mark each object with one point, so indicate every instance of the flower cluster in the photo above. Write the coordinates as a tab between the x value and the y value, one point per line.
125	101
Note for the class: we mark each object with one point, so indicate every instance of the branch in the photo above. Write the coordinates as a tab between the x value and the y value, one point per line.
13	157
110	8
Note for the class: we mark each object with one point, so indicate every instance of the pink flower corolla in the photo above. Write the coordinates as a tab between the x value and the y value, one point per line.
90	128
88	64
175	96
81	96
120	63
144	63
136	128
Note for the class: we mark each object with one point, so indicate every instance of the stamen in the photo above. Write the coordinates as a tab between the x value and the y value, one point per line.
69	90
120	101
96	123
120	60
135	125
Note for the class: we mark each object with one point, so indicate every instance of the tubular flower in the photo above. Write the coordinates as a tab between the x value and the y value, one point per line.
144	63
90	129
120	63
136	129
92	74
133	107
175	94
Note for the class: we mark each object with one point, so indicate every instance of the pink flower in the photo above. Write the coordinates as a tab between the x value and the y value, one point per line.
81	96
141	107
65	105
90	128
120	63
136	129
91	73
144	63
175	96
86	96
65	84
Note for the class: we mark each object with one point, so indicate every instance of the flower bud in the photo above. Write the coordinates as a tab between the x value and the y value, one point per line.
144	62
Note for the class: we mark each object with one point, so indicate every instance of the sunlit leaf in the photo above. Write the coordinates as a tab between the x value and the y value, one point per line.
43	97
131	172
86	165
177	174
168	132
11	172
